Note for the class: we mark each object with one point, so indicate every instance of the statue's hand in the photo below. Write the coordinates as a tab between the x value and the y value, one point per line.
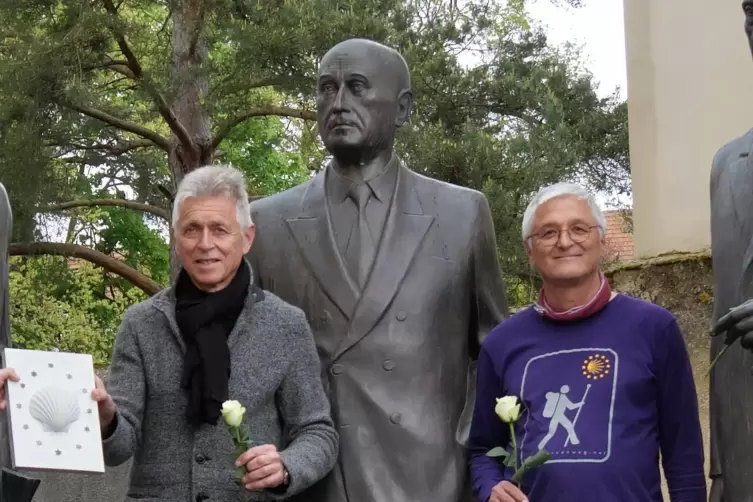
737	323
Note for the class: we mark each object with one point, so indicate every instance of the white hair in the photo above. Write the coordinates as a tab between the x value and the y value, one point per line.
215	181
561	190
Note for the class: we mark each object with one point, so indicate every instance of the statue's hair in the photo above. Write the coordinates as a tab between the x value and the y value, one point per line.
550	192
215	181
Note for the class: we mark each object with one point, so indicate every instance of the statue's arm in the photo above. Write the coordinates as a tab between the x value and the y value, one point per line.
126	384
488	302
715	468
489	295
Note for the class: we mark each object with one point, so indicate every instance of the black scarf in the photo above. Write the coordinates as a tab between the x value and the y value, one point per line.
205	321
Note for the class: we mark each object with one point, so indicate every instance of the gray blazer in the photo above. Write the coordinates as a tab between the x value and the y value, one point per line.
731	383
398	362
274	374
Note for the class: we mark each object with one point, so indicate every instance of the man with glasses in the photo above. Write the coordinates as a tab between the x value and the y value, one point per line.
603	380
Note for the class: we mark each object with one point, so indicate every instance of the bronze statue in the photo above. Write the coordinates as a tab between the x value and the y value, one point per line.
398	276
731	384
14	487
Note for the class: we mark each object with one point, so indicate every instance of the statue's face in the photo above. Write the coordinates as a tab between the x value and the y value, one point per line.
748	9
357	101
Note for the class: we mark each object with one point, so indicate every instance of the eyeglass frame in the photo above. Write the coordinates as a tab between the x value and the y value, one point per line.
569	234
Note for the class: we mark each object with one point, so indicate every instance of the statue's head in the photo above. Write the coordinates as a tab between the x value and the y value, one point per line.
748	10
363	95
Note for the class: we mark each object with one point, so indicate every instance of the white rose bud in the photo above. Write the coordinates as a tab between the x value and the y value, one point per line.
507	409
233	412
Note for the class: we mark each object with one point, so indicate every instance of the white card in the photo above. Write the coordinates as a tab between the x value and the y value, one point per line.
54	424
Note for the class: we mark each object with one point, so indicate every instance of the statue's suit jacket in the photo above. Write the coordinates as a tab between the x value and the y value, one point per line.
397	361
731	384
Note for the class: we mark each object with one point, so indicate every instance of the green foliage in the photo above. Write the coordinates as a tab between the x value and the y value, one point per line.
53	306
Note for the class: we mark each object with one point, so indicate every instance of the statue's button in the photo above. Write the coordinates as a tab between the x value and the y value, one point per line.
200	459
336	369
388	365
324	317
401	316
395	418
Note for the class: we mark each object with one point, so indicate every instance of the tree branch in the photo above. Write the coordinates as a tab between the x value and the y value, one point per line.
139	75
114	121
128	204
279	111
117	148
109	263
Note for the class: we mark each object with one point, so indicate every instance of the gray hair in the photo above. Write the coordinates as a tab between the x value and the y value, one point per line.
561	190
215	181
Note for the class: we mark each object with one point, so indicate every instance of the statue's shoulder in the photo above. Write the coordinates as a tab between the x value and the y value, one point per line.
730	152
447	193
282	202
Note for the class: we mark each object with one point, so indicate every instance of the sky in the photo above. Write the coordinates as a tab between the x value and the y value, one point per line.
598	28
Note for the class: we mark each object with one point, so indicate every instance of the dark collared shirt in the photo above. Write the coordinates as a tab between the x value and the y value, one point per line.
344	211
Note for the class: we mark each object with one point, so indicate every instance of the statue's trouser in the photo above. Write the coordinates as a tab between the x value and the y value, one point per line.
16	487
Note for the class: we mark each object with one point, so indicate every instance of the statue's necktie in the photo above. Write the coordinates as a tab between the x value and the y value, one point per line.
360	253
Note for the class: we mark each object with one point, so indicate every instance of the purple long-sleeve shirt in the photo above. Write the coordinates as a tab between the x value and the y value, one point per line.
604	396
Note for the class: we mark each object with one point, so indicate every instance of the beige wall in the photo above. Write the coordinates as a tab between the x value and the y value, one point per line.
690	90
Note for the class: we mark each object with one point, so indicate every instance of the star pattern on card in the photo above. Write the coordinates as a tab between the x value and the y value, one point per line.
89	411
78	446
50	365
23	385
19	406
68	376
33	373
86	429
83	391
39	443
58	452
26	427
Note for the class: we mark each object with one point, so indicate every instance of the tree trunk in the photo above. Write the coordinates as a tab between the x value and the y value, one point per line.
190	53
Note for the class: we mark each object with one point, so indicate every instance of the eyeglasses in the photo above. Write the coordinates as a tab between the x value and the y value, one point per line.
577	234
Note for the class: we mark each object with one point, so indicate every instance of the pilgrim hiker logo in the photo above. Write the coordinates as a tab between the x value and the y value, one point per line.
570	397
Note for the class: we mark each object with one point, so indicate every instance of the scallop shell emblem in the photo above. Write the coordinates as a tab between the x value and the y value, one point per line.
56	409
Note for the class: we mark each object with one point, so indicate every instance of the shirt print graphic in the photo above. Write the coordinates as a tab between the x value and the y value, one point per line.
570	399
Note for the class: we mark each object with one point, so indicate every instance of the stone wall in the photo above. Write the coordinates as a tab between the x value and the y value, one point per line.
679	282
682	284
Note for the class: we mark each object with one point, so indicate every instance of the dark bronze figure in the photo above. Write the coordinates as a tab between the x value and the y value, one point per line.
731	385
399	278
14	487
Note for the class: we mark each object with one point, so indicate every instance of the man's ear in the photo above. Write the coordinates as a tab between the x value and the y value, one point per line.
248	238
404	107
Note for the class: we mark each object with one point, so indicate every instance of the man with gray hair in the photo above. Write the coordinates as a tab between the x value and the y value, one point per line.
214	336
605	379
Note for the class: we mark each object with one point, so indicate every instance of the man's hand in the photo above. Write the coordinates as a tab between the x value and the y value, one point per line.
5	375
507	492
737	323
105	404
265	469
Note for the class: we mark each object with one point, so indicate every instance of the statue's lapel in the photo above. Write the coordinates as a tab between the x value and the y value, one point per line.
404	232
739	184
312	231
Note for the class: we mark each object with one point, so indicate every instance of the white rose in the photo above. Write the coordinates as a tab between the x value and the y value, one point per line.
507	409
233	412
